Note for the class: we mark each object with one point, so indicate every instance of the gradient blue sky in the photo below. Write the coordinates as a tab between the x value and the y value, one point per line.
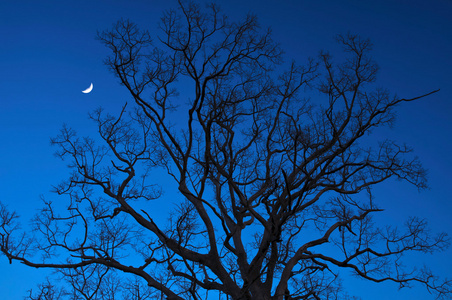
48	54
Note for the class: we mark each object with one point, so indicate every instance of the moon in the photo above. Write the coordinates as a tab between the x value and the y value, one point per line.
88	89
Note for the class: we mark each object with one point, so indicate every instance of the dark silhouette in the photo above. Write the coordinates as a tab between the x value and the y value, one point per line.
274	190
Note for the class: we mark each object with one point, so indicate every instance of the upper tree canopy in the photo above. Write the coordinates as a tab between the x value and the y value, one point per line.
274	181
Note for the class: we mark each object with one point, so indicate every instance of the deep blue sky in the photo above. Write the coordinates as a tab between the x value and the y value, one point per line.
48	54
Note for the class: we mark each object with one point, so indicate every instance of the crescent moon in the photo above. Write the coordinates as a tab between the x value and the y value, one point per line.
88	89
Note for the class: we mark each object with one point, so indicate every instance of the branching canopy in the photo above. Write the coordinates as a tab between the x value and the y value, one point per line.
274	188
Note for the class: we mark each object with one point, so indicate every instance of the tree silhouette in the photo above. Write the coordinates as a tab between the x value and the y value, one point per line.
274	190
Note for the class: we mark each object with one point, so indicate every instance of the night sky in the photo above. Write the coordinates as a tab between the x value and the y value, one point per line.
49	54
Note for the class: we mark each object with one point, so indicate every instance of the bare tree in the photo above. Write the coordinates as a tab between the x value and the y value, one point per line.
274	190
